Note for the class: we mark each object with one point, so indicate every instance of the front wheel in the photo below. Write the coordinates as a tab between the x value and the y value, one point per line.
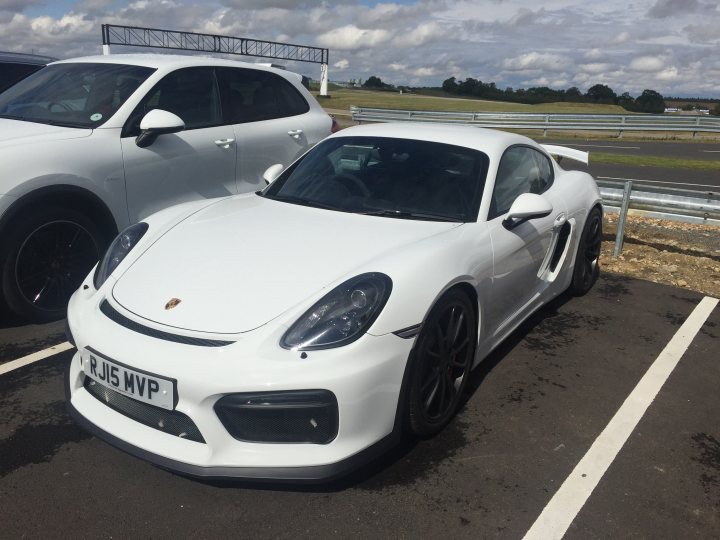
440	364
44	258
587	258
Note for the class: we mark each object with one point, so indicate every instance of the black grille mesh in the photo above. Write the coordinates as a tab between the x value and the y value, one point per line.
171	422
122	320
282	417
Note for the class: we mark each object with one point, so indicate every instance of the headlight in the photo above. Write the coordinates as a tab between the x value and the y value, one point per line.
342	315
117	251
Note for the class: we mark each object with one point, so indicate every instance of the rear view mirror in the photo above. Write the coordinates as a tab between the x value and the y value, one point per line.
155	123
272	172
527	206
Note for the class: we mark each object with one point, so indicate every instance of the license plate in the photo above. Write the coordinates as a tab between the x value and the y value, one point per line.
134	383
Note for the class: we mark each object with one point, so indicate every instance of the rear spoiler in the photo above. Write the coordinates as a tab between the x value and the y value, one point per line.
570	153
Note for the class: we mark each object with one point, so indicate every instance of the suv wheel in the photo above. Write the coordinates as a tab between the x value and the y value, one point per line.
44	258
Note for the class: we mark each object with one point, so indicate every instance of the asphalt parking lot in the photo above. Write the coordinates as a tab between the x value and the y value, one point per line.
533	410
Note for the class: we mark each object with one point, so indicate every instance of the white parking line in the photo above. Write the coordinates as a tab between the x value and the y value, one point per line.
34	357
654	181
711	151
560	512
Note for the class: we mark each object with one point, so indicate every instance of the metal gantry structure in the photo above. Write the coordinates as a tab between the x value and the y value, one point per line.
136	36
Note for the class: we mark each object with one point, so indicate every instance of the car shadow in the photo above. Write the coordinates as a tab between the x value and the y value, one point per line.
400	465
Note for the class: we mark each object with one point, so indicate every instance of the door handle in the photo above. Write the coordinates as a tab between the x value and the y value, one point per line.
224	143
295	133
560	220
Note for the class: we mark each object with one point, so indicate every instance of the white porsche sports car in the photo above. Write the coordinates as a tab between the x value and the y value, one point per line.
295	332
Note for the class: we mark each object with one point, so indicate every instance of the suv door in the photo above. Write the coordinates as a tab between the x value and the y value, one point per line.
198	162
521	254
272	121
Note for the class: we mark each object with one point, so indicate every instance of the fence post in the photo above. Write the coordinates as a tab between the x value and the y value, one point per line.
621	220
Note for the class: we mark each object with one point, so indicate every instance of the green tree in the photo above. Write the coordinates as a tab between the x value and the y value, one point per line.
601	93
374	82
626	101
450	85
650	101
715	110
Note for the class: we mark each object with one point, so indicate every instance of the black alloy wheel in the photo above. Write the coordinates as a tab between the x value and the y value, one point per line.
587	259
440	364
46	259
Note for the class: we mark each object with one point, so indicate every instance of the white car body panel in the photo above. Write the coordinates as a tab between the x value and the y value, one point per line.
249	289
292	249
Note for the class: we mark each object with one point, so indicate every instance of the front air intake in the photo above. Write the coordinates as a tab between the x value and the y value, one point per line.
300	416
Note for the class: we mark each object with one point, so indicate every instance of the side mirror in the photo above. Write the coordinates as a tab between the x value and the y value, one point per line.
155	123
527	206
272	172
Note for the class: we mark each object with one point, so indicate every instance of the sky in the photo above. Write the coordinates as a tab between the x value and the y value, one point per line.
670	46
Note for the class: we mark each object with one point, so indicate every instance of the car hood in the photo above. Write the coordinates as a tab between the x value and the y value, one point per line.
240	263
14	132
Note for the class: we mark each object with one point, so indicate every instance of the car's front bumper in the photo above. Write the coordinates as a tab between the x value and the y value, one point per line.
365	377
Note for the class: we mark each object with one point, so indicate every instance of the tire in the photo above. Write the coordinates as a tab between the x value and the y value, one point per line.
440	364
45	255
587	258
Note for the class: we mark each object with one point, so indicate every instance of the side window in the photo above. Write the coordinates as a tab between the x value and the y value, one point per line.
251	95
522	170
190	93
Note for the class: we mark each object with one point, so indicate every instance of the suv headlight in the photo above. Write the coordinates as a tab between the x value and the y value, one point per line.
342	315
117	251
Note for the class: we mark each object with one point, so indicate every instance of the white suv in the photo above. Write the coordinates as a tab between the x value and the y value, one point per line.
90	145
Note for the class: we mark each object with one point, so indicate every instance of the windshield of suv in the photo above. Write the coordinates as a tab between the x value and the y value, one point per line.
73	95
389	177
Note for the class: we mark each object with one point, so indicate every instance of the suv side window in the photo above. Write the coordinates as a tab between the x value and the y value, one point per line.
190	93
522	170
251	95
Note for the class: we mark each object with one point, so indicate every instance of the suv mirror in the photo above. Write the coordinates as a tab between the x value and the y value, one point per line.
272	172
155	123
527	206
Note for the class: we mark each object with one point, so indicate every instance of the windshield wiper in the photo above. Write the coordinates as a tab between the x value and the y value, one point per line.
404	214
304	202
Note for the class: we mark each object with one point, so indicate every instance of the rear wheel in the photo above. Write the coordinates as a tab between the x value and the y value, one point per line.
44	258
440	364
587	259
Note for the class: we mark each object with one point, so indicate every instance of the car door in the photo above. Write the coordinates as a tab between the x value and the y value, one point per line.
521	254
196	163
272	121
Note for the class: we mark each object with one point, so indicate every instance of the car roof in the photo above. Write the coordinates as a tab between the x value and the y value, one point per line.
489	141
169	61
21	58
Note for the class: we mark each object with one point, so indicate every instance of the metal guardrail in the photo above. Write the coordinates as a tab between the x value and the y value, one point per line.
546	122
662	203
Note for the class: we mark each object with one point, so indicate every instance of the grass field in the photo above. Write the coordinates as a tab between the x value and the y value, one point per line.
342	99
663	162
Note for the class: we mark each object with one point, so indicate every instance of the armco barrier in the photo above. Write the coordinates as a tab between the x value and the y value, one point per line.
547	122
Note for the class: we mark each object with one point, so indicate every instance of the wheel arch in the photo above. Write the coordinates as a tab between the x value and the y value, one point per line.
74	197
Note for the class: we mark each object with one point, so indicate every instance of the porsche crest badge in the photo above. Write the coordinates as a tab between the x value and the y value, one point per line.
172	303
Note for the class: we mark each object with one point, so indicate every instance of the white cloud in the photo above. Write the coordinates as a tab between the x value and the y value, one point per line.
668	74
595	67
509	42
647	63
351	37
424	72
536	60
424	33
622	37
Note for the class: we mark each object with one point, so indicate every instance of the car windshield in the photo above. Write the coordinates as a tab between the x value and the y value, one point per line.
389	177
81	95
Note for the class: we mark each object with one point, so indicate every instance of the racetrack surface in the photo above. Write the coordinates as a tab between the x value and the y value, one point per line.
533	409
683	178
